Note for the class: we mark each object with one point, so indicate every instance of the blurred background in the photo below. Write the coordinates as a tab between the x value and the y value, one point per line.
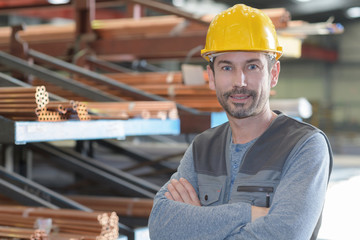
100	99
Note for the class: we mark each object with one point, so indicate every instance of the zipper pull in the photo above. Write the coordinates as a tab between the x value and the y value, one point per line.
267	200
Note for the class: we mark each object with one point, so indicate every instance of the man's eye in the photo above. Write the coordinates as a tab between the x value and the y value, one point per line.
252	67
227	68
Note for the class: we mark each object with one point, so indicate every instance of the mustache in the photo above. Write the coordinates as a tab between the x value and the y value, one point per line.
240	91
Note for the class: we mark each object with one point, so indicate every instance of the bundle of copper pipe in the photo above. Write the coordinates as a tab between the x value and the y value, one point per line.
123	206
167	85
69	110
65	223
32	104
20	103
126	207
141	109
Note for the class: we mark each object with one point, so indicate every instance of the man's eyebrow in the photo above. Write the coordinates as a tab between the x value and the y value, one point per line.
252	60
224	62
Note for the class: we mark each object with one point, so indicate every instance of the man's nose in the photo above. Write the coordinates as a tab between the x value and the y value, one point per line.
240	80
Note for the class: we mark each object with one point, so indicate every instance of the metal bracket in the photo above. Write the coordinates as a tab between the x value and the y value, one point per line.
53	77
122	181
30	193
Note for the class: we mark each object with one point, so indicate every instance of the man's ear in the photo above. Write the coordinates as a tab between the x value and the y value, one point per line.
211	78
275	71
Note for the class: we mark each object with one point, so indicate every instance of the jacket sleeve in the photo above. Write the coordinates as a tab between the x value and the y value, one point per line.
175	220
299	198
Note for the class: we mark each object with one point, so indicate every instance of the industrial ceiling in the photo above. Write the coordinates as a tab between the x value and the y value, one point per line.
307	10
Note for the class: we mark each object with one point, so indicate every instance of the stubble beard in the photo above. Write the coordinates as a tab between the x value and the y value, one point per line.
239	110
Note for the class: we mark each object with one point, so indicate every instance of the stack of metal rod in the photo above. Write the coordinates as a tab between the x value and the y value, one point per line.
57	111
32	104
124	207
30	222
22	103
134	109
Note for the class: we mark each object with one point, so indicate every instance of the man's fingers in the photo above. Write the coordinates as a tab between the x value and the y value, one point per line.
168	196
182	191
178	191
173	189
193	197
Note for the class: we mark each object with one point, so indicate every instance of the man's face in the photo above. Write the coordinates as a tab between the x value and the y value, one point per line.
242	82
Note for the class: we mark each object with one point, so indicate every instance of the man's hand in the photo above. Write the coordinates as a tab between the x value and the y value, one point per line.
257	212
182	191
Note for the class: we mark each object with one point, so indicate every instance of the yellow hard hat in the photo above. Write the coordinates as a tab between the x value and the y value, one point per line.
241	28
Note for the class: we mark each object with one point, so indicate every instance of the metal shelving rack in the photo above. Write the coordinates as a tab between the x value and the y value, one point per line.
21	135
18	136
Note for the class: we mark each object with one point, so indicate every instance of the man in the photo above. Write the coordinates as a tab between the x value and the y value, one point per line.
262	175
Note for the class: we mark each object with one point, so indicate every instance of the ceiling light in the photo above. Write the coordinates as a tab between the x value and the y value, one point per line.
303	0
58	1
353	12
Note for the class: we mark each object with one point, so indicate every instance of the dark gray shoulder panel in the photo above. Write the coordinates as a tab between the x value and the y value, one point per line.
275	144
209	151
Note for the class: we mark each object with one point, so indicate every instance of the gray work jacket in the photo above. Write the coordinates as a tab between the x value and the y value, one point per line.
260	170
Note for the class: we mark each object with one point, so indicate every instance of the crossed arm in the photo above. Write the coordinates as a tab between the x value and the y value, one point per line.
182	191
177	213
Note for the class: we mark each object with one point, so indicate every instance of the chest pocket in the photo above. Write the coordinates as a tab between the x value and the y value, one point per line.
209	194
257	194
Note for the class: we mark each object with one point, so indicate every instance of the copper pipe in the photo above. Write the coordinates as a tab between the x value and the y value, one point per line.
17	105
24	118
17	95
19	100
18	112
113	117
143	109
11	220
64	105
15	233
17	90
44	212
157	105
136	202
147	78
136	207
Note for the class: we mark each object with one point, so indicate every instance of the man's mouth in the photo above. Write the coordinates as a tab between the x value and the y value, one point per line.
240	97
